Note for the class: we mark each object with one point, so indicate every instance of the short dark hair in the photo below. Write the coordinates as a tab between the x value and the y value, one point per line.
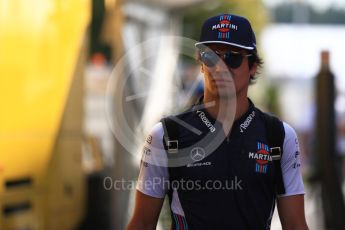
255	58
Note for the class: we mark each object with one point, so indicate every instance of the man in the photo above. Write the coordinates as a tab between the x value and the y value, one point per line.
230	185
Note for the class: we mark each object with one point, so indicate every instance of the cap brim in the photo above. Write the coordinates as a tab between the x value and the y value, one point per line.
223	42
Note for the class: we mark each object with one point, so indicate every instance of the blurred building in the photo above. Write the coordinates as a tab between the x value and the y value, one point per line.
291	54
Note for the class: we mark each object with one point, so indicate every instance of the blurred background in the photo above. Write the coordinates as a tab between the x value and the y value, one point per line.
78	94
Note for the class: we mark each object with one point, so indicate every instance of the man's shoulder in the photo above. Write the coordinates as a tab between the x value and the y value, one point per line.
264	114
289	131
184	114
182	122
157	131
270	120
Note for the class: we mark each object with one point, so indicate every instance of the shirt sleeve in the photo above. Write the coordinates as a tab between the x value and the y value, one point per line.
153	175
291	164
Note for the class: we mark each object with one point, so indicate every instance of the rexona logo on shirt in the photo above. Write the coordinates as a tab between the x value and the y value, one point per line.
206	121
247	122
262	157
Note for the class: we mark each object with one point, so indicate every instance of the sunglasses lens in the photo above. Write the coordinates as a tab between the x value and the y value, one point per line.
210	59
233	60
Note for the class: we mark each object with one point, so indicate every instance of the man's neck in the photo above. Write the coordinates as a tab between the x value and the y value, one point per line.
223	109
242	105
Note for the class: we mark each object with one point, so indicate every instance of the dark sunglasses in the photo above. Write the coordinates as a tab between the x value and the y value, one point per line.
232	59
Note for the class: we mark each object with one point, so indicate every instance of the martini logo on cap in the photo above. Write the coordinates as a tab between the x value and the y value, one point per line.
224	26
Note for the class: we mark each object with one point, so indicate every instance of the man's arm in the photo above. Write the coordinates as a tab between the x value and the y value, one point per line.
150	187
291	212
291	204
146	212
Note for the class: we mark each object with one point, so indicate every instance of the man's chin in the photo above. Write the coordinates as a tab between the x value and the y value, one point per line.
226	93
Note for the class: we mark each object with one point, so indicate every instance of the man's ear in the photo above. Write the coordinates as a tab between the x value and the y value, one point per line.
202	68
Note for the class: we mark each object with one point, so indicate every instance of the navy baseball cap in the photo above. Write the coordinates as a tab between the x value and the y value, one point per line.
228	29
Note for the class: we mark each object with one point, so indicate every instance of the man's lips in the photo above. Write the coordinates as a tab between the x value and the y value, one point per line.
222	80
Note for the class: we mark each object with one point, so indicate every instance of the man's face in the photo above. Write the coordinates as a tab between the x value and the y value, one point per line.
221	80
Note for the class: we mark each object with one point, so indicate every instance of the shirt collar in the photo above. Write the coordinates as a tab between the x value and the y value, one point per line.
241	124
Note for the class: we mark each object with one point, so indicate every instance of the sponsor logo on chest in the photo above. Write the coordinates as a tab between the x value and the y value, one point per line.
247	122
206	121
262	158
198	154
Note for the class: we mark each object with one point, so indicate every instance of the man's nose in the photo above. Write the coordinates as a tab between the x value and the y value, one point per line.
221	66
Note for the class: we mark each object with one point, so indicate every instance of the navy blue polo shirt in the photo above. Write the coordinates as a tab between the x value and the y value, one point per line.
230	188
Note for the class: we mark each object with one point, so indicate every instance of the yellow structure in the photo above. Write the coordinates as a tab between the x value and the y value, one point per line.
42	48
